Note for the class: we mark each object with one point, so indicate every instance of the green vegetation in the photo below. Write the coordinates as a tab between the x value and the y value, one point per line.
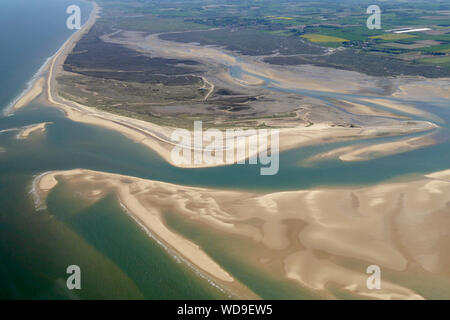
287	28
152	24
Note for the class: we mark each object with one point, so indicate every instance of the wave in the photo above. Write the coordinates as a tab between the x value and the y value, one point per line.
178	258
9	130
7	111
39	202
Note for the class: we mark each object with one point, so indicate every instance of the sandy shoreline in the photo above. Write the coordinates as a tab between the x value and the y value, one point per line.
148	216
35	90
158	138
350	223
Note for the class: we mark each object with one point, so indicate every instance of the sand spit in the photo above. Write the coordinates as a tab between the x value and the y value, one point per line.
159	138
127	190
35	90
360	152
28	130
397	226
441	175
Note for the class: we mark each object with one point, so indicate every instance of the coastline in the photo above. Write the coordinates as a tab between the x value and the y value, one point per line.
149	218
31	91
158	138
333	225
35	85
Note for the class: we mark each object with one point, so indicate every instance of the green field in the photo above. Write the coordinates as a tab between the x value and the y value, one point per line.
265	27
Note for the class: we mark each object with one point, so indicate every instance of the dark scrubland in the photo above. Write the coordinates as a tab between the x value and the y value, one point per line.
363	62
96	58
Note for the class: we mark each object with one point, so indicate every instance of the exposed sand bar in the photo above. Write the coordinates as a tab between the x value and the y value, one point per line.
149	216
361	109
388	148
441	175
418	89
27	131
396	226
361	152
396	106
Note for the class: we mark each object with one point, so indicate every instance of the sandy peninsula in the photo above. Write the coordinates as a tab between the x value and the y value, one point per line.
126	187
401	227
159	138
132	194
35	90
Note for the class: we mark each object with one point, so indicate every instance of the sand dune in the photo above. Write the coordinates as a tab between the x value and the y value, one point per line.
397	226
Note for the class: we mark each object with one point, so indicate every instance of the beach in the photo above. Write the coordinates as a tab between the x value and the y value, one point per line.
352	223
35	90
149	216
142	226
159	138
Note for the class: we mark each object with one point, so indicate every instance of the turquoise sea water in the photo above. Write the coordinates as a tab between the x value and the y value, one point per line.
120	260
